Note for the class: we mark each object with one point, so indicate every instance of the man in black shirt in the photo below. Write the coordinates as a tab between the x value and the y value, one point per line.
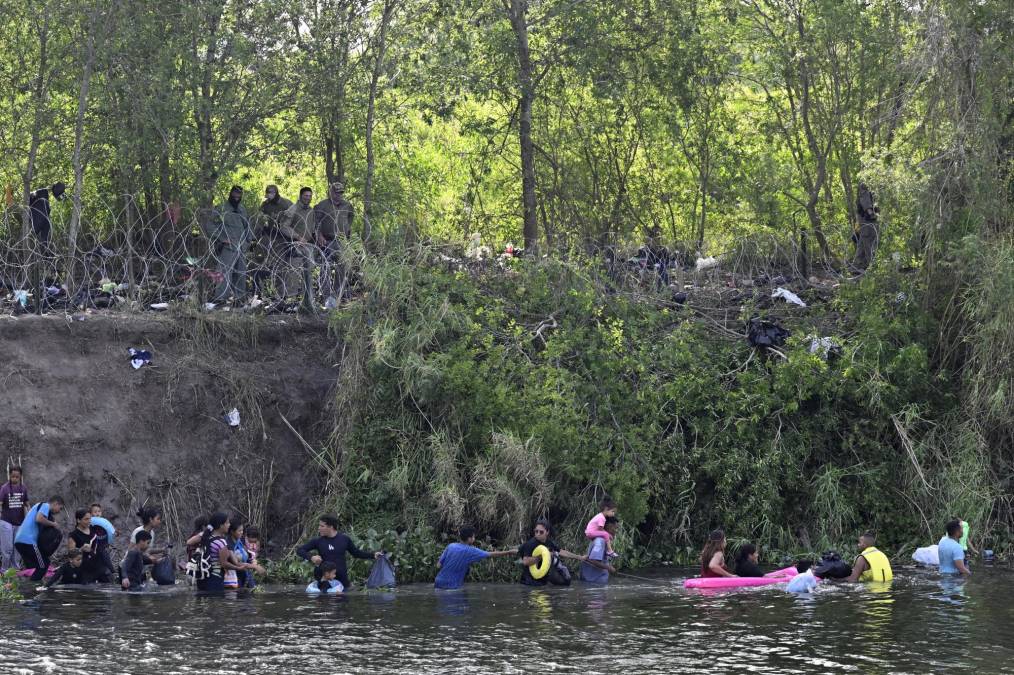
332	546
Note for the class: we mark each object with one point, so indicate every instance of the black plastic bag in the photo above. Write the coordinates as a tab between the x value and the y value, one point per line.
764	334
382	574
831	566
163	572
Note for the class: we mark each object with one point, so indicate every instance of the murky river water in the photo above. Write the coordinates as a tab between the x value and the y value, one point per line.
918	624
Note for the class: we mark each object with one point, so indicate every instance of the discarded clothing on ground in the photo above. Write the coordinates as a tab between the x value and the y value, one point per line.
764	334
139	357
825	346
787	296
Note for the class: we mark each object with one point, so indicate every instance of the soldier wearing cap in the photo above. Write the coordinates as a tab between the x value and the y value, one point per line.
333	219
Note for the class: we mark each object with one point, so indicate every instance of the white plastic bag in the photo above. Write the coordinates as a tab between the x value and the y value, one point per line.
928	555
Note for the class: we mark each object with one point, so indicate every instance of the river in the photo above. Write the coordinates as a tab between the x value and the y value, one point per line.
918	623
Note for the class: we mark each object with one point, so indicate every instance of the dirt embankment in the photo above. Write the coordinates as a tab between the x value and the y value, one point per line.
89	427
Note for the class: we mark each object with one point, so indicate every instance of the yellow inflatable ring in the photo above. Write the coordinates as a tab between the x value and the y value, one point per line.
545	560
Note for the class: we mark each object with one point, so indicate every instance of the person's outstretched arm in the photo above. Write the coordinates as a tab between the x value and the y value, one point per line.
359	553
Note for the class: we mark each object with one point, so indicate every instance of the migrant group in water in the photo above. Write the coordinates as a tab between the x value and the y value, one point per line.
222	553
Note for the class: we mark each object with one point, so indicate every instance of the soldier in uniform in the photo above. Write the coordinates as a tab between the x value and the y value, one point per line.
334	217
229	233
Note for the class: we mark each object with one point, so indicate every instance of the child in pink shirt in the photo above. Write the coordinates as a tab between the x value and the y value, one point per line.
596	526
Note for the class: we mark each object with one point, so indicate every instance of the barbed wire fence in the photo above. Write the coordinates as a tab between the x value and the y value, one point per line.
132	262
124	260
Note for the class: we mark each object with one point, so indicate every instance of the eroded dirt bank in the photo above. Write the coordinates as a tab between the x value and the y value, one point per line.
89	427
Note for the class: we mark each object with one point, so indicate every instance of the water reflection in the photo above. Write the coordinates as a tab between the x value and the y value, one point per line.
917	623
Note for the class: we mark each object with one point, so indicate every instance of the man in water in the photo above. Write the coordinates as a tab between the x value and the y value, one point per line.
332	546
952	555
38	522
13	508
457	558
871	564
595	568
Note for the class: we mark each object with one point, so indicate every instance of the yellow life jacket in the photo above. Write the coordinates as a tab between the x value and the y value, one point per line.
878	567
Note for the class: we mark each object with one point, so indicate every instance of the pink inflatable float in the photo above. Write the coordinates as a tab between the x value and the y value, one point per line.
781	576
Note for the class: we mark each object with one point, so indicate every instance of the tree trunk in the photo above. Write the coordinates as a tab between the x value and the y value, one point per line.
39	96
82	107
371	110
517	13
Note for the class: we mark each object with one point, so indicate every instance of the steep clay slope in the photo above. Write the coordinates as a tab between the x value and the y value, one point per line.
87	426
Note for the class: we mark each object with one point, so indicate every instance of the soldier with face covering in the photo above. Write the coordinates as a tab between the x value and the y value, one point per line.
274	204
230	233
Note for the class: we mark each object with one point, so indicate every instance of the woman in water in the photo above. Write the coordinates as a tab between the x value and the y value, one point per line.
713	556
746	561
242	578
217	557
151	518
84	538
558	574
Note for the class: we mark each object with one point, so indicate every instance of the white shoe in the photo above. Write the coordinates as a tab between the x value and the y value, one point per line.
331	303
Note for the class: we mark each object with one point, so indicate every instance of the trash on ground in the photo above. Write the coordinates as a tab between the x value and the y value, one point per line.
788	296
765	334
706	263
159	306
824	346
232	417
139	357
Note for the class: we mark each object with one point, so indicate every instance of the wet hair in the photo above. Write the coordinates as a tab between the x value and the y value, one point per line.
143	535
466	533
327	566
543	522
607	503
15	468
953	527
200	522
74	553
252	532
870	536
803	565
330	521
148	514
235	188
94	504
81	513
612	520
305	189
745	551
56	499
713	546
216	521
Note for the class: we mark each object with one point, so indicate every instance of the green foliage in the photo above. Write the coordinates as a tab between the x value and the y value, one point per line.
9	586
499	396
